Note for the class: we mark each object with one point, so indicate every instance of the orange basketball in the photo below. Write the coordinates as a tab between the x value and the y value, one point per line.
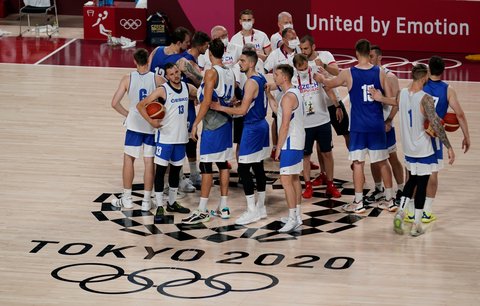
156	110
451	122
429	130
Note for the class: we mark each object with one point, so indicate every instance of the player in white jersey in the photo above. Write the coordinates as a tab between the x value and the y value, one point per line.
389	113
284	22
171	136
216	140
254	143
291	142
230	55
317	124
140	134
420	159
250	35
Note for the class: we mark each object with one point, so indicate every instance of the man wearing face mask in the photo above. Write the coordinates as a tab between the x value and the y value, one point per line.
317	124
284	22
232	51
250	35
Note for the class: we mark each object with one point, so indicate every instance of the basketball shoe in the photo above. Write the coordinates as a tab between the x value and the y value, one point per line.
124	201
376	196
417	230
428	217
354	207
290	225
224	213
321	179
248	217
308	193
197	217
175	207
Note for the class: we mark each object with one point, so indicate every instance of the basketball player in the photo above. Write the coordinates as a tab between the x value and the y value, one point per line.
254	143
420	158
250	35
389	113
216	139
367	130
291	141
284	22
444	96
336	109
139	135
171	137
192	72
232	51
317	124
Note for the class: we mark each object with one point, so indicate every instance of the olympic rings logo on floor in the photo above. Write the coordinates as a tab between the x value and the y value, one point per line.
165	288
395	62
128	24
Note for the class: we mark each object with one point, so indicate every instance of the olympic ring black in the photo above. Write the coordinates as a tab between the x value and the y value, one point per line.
212	282
128	24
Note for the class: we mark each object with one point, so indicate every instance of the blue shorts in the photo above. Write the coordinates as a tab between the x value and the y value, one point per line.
421	165
173	154
255	142
291	162
322	134
391	141
216	145
373	144
135	141
438	149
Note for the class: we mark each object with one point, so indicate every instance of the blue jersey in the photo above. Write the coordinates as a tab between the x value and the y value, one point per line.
191	103
366	114
258	107
160	59
439	91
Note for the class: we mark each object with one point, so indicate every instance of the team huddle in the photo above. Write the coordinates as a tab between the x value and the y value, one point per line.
227	81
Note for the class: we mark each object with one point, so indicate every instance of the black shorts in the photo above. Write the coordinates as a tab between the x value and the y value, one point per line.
191	148
237	129
322	134
341	128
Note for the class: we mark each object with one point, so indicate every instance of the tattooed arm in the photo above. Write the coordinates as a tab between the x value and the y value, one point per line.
189	69
428	107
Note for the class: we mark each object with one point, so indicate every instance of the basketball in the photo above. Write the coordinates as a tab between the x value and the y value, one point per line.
451	122
156	110
428	128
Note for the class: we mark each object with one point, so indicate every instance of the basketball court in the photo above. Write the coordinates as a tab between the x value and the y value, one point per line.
63	243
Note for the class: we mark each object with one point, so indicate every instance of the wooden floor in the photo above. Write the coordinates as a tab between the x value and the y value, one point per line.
61	150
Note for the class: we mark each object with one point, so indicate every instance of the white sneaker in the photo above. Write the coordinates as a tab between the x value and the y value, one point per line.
262	211
285	220
186	186
291	225
146	205
356	208
125	202
417	229
196	179
248	217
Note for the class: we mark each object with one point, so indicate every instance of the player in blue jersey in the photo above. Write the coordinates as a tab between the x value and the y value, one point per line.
139	135
254	144
367	127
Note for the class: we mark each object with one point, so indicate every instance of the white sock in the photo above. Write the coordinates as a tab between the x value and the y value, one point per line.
261	199
127	192
147	195
193	168
358	197
400	186
299	210
159	198
411	206
292	213
202	206
404	204
388	193
250	202
223	202
378	185
428	205
418	215
172	195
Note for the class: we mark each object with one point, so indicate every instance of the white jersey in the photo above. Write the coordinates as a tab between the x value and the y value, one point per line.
278	57
259	39
296	131
276	40
416	143
327	58
174	125
315	99
141	85
230	57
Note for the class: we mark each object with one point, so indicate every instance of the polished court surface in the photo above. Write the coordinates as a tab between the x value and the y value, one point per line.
61	147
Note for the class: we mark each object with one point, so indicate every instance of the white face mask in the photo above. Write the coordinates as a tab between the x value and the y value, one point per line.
247	25
293	44
225	41
288	26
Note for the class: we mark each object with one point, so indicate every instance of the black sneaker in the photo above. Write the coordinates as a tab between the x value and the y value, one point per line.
398	197
159	215
197	217
175	207
376	196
